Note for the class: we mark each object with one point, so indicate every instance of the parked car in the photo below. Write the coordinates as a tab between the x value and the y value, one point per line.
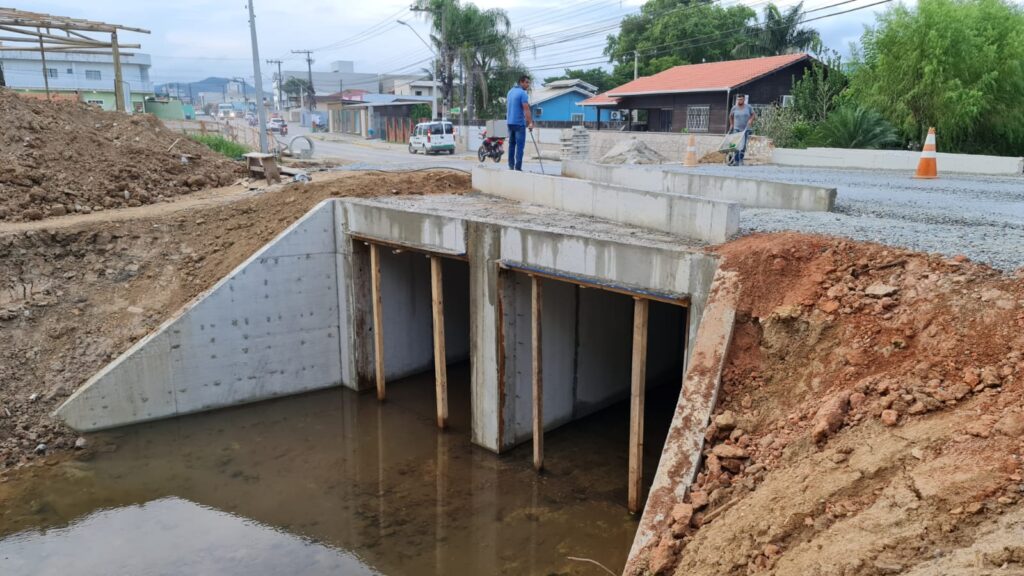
278	125
432	138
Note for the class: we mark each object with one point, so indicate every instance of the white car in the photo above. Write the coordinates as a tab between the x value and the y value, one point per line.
432	138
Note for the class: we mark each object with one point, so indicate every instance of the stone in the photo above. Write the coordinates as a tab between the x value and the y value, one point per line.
682	513
772	550
58	210
81	443
663	558
1011	424
990	376
890	417
726	420
728	451
830	416
857	400
828	306
698	499
135	310
41	448
878	290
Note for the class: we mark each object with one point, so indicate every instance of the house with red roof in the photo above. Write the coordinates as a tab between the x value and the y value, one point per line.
698	97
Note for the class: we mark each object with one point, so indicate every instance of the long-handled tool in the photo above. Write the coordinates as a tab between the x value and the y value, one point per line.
537	148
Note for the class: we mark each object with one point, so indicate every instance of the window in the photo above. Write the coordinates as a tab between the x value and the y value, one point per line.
538	111
419	92
697	118
51	72
144	74
577	118
787	101
95	102
93	75
70	71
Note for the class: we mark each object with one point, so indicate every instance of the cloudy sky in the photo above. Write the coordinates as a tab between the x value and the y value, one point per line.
193	39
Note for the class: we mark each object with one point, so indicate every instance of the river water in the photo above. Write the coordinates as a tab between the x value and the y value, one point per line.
331	482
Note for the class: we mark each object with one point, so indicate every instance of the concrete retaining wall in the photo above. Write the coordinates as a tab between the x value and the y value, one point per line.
270	328
897	160
673	146
744	191
691	217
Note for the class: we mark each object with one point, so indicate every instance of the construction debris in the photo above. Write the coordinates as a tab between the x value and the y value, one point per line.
632	151
63	157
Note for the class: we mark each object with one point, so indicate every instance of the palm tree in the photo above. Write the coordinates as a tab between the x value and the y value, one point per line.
780	33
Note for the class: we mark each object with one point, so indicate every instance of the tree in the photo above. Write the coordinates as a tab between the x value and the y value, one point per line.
672	32
957	65
855	127
819	91
596	76
295	86
779	33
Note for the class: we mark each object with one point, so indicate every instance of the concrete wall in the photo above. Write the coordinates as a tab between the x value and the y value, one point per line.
744	191
690	217
897	160
269	328
673	146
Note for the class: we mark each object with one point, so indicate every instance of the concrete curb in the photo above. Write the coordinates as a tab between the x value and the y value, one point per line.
745	191
897	160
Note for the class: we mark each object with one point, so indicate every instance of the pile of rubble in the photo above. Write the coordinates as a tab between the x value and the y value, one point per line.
64	157
632	151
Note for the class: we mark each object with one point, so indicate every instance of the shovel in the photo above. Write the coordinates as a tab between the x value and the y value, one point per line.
537	148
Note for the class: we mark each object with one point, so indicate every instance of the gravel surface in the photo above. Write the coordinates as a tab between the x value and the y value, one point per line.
981	217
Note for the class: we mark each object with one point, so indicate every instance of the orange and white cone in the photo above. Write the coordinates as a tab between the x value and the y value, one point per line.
926	166
691	152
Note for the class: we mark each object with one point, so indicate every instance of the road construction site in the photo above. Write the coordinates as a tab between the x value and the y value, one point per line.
651	368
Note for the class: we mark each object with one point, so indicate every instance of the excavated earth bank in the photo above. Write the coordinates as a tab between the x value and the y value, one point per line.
65	157
74	296
871	419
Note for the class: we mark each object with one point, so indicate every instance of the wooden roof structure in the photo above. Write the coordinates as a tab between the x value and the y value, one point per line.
35	32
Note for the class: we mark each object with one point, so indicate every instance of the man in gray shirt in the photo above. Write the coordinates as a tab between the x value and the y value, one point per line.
741	118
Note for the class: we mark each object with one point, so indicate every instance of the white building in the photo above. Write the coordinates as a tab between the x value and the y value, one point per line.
344	77
89	77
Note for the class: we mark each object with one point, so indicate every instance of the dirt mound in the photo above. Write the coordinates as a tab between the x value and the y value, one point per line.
61	157
73	298
632	151
871	419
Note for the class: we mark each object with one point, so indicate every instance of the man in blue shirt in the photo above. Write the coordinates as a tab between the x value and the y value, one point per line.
519	120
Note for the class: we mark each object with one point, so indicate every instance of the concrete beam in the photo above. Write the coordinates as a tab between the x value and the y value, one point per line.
681	457
433	232
701	219
270	328
745	191
902	160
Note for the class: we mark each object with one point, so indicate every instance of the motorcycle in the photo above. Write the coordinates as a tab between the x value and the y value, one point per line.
491	147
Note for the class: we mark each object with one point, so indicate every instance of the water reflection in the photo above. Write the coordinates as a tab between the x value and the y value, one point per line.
334	468
170	536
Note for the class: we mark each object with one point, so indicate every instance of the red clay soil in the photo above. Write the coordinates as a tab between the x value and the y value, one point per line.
871	419
64	157
75	295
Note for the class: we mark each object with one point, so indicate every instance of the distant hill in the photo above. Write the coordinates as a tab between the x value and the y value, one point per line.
211	84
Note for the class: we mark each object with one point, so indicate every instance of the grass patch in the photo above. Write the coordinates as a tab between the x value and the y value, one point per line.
221	144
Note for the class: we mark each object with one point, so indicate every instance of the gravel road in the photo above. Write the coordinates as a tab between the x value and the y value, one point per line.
981	217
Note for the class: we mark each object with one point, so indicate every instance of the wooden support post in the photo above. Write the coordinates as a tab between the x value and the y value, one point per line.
119	103
636	404
440	359
378	320
536	353
42	56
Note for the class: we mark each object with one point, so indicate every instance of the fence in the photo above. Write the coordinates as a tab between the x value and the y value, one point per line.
247	136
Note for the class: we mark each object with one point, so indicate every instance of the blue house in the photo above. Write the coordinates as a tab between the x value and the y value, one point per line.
559	101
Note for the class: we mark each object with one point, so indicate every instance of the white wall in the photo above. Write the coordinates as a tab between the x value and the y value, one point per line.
898	160
24	70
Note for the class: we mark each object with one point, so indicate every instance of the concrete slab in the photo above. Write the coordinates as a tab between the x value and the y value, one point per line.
898	160
271	327
703	219
749	192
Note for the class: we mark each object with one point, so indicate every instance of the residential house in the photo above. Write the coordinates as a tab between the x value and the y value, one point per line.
83	76
374	115
698	97
341	77
558	103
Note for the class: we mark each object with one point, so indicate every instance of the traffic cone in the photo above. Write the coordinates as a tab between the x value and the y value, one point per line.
691	152
926	167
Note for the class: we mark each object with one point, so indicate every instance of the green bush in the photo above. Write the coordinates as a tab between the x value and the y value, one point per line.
221	144
784	126
855	127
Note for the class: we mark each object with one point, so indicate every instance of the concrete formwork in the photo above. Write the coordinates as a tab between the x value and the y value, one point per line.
745	191
701	219
270	328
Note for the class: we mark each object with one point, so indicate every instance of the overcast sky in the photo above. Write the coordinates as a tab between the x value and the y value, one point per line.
193	39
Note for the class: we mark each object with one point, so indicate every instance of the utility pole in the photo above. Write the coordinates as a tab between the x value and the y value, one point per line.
309	72
280	81
261	112
42	54
636	64
442	70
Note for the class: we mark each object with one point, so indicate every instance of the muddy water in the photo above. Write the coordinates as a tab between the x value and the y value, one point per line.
328	483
